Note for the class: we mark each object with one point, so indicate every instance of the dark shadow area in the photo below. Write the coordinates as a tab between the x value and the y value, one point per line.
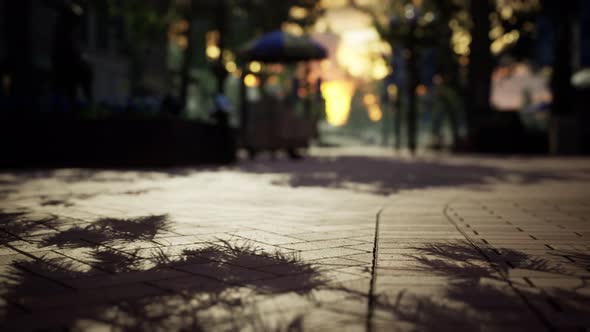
4	193
88	281
13	178
387	176
18	177
106	230
16	180
576	258
58	140
482	295
463	260
371	174
66	199
15	226
56	202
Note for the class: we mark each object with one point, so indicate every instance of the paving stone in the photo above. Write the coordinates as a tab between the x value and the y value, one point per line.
313	245
327	253
225	272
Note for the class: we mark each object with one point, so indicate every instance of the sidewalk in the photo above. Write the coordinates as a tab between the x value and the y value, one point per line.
346	240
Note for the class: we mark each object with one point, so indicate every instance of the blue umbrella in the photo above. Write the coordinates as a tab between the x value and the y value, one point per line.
280	47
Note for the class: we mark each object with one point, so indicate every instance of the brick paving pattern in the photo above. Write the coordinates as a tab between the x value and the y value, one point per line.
347	240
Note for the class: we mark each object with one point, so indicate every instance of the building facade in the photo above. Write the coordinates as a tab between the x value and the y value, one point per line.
28	33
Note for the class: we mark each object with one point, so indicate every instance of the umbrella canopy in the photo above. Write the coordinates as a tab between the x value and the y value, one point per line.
281	47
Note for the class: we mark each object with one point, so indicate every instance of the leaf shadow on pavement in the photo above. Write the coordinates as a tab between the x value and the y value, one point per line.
105	230
4	193
577	258
385	176
16	225
113	273
19	184
19	177
481	294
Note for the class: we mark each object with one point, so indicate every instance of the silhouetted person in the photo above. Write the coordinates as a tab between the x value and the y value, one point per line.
70	69
445	106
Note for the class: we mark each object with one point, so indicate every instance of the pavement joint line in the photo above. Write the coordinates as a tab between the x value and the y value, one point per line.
371	300
275	233
35	273
536	311
239	237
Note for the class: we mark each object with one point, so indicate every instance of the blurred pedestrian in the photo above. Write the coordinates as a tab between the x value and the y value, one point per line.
222	108
446	106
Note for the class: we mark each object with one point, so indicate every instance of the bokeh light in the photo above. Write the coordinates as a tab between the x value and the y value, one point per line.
338	95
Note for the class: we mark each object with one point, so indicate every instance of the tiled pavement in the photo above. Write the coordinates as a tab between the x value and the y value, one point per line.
346	240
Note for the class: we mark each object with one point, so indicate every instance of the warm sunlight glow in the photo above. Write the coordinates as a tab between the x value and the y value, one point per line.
251	81
176	33
338	95
504	41
369	99
421	90
372	103
461	41
213	52
375	113
255	66
363	62
333	3
380	69
231	66
292	28
298	13
392	91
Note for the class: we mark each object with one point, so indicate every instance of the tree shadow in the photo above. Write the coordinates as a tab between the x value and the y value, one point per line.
17	226
57	202
576	258
463	260
386	176
378	175
96	175
18	182
210	285
481	294
4	193
66	200
106	230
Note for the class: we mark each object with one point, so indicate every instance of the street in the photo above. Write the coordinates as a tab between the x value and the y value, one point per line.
348	239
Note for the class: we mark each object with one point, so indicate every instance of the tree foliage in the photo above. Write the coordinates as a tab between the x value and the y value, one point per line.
144	20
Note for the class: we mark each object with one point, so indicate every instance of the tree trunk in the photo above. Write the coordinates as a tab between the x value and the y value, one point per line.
562	50
19	60
480	64
220	71
185	75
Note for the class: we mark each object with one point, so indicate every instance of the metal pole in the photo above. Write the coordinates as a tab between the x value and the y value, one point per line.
244	106
187	57
221	27
413	83
397	118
